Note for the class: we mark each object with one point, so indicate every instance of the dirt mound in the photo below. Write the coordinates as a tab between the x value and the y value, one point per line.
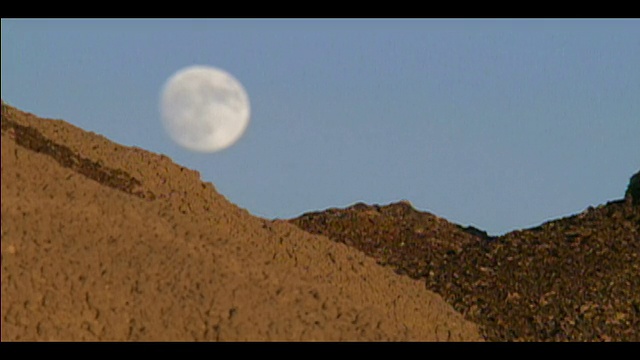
573	279
395	234
106	242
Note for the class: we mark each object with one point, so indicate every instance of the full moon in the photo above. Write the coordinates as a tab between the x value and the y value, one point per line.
204	109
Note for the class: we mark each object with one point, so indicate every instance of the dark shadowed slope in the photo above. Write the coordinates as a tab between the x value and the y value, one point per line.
575	279
106	242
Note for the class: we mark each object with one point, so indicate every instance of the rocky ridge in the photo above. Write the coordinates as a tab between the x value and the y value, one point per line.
571	279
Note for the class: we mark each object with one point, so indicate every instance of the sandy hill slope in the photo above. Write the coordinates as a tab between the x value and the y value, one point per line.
106	242
572	279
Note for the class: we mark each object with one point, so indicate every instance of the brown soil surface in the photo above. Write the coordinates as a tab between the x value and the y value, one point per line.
106	242
573	279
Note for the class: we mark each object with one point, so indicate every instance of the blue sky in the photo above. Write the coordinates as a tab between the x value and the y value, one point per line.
501	124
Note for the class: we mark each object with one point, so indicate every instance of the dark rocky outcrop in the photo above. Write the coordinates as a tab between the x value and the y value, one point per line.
572	279
633	190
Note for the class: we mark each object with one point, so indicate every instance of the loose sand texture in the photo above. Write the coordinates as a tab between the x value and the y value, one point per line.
107	242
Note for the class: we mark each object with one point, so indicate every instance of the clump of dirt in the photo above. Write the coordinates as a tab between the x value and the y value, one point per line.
89	254
573	279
